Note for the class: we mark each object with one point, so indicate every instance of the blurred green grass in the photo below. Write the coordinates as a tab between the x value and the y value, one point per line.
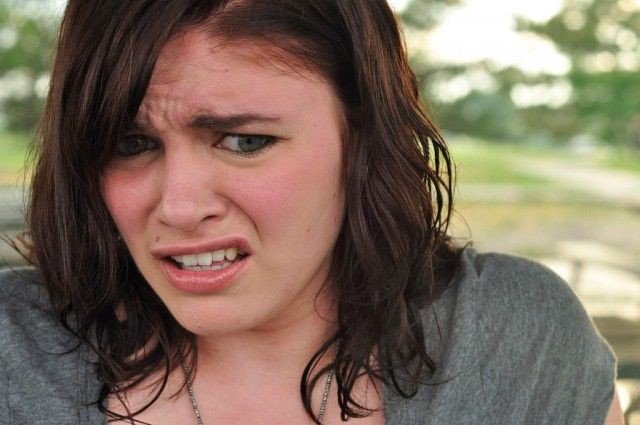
533	223
482	162
622	160
479	162
13	153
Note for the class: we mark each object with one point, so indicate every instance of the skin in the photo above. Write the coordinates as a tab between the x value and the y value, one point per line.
286	201
189	185
615	415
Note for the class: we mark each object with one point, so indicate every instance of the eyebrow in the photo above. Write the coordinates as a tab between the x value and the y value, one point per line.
223	122
220	122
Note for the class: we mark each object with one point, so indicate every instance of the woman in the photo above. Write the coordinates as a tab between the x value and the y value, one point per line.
239	215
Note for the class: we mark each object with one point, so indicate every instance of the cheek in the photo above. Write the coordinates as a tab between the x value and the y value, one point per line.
298	202
128	199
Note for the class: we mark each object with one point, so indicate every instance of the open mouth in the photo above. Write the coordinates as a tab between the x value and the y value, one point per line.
208	261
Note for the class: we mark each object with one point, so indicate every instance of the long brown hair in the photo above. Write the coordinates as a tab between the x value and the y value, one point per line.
392	257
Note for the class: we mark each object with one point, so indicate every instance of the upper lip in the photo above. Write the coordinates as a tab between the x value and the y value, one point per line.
197	247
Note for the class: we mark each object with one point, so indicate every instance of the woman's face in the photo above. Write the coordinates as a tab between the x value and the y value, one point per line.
227	192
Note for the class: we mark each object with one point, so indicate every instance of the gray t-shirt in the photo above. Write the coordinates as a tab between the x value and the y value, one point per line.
515	347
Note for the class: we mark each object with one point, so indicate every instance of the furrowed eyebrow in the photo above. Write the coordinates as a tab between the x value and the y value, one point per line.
216	122
224	122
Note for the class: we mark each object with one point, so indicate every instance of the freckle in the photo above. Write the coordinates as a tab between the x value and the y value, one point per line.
308	229
157	239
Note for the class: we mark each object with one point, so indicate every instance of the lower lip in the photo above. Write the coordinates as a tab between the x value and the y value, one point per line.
202	281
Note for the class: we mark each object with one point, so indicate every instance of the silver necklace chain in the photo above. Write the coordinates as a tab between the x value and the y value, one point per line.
194	403
325	395
323	405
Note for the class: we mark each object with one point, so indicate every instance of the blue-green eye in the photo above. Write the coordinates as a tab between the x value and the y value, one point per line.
135	145
245	143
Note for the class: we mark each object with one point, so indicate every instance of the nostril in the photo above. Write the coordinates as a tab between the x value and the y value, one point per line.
187	211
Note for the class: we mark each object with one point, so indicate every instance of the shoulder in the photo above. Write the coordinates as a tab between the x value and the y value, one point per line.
25	312
29	330
520	277
23	302
521	289
518	298
41	372
540	353
512	345
498	297
21	283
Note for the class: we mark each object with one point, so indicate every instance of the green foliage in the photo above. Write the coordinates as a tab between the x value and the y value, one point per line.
608	105
13	154
423	15
26	42
548	125
624	160
601	39
488	115
585	27
479	162
599	36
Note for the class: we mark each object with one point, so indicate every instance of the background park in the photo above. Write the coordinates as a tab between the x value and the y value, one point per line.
539	101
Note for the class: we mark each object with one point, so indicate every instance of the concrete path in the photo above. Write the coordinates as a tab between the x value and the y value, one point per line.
618	187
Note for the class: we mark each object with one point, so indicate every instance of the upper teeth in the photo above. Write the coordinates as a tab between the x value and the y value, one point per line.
206	258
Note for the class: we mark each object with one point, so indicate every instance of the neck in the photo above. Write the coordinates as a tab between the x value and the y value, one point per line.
279	348
262	368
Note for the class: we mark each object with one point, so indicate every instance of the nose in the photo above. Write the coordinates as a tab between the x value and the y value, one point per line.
189	191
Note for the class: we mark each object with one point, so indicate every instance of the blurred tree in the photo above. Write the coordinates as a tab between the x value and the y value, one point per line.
485	112
27	30
424	15
490	115
601	38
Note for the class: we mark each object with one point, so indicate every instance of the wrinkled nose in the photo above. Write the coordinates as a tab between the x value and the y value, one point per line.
189	195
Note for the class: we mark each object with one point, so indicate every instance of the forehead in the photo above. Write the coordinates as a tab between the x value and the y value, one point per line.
196	73
197	46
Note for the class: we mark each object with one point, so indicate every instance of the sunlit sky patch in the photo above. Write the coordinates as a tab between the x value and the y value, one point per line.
480	30
400	5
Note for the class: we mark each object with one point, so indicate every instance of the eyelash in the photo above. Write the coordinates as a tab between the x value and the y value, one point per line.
121	148
148	144
268	142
